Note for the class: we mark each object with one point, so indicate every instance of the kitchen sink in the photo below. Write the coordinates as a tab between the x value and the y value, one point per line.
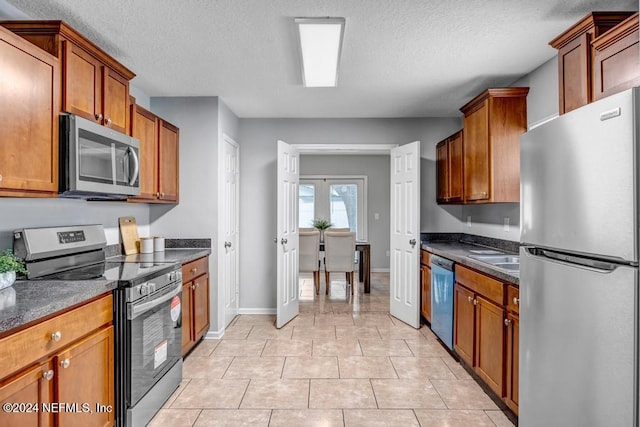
497	259
511	266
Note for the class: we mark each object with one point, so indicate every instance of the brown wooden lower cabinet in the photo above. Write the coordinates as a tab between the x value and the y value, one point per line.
78	375
486	331
425	280
489	330
195	302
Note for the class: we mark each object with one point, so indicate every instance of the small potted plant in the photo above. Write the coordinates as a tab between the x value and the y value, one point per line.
9	266
321	224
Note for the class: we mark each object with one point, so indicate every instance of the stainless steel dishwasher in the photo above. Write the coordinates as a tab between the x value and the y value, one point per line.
442	280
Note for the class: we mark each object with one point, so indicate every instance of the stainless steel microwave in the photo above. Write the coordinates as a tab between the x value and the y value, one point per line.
97	162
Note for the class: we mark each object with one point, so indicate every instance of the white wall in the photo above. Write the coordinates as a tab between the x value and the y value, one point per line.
377	171
258	182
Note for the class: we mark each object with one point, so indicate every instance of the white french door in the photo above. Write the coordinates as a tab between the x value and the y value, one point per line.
228	211
287	233
404	301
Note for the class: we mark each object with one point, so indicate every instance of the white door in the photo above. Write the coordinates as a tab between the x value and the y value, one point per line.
287	233
405	234
228	265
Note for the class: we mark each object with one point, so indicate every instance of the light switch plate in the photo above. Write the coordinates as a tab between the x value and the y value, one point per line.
469	221
506	223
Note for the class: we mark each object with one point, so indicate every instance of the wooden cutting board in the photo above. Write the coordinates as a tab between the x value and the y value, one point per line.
129	233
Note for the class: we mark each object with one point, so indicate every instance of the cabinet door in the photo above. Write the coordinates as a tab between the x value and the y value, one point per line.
29	112
476	154
115	100
489	356
426	292
513	367
82	90
463	323
574	73
168	162
86	375
201	306
29	387
456	178
442	166
144	126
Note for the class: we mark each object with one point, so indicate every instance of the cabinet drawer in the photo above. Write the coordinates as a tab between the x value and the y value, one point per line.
484	285
425	258
513	299
28	345
194	269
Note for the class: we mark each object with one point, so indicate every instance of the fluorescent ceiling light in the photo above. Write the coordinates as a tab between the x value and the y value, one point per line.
320	46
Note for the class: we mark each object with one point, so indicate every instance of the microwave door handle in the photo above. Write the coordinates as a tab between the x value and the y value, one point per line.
136	166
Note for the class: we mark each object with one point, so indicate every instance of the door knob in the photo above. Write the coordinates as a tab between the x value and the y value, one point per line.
275	240
412	242
227	244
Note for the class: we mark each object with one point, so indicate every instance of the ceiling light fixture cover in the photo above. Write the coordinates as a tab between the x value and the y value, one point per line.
320	41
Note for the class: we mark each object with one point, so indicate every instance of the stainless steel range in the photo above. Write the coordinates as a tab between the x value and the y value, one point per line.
147	310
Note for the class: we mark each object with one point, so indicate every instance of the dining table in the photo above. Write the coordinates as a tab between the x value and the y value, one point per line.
364	263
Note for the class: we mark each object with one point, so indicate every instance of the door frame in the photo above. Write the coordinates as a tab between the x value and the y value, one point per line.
220	258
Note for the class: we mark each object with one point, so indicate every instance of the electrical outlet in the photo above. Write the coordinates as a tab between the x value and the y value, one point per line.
376	216
506	223
388	253
469	221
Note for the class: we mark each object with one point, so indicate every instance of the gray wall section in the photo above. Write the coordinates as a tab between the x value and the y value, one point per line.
377	170
197	213
258	182
18	213
542	103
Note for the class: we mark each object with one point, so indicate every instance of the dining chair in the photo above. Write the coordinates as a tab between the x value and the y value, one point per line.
339	249
309	261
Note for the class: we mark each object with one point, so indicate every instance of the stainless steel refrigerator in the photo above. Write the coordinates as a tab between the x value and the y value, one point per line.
579	267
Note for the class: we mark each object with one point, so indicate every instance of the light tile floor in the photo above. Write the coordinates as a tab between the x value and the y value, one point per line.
343	361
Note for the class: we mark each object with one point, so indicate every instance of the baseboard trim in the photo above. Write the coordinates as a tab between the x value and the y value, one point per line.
214	335
257	311
380	270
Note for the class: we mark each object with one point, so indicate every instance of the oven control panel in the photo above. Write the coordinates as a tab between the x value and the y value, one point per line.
71	236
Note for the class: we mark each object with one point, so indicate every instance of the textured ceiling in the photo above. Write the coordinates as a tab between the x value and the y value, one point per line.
402	58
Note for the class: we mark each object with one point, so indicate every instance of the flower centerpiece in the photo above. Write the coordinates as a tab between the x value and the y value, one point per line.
9	266
321	224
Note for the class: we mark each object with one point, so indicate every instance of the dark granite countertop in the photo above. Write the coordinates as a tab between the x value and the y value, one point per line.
29	300
460	251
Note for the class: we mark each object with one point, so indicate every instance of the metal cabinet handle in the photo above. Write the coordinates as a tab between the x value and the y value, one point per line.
108	122
56	336
48	375
197	284
162	195
227	244
516	301
469	299
99	116
0	178
412	242
158	195
194	270
507	322
284	241
475	301
65	363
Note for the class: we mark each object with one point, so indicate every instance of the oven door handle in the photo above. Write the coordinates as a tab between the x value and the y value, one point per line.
138	309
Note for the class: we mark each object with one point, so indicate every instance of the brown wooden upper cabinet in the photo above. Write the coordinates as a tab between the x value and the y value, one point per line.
159	145
493	123
449	167
94	85
616	61
29	130
576	70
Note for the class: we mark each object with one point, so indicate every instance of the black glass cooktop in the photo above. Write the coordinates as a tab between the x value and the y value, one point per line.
126	273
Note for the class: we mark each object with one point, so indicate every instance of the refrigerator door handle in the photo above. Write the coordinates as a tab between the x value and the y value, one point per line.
578	261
